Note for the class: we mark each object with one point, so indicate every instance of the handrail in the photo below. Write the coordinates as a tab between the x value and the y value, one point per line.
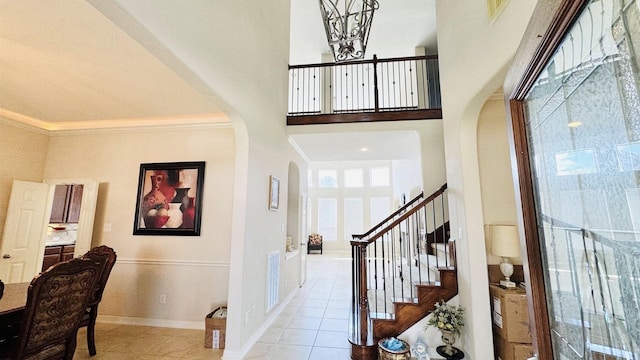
386	89
394	214
358	62
392	256
403	217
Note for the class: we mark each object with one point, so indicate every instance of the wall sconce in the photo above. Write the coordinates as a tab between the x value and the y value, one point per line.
506	244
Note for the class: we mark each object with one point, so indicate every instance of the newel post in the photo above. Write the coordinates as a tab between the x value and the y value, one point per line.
360	327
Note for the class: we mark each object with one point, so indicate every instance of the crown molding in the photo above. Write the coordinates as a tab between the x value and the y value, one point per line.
212	120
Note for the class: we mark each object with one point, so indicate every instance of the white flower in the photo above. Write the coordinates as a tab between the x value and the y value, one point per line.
447	317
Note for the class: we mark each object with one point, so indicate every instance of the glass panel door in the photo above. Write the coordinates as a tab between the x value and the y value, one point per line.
583	129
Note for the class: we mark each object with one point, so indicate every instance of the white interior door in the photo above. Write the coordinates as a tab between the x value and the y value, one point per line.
25	231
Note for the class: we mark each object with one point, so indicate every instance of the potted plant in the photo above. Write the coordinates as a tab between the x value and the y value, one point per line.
449	320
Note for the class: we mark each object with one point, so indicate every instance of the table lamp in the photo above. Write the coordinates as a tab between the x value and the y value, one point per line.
506	244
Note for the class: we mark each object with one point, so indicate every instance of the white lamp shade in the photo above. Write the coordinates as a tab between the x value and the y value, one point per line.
505	240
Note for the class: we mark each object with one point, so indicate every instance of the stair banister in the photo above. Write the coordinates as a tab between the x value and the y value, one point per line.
362	330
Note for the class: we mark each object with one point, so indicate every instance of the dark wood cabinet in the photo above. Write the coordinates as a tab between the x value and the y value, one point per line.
67	252
57	253
51	256
66	204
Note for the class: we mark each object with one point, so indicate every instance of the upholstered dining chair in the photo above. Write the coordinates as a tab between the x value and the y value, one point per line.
106	256
56	301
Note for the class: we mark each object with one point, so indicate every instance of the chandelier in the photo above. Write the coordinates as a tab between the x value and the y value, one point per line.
347	24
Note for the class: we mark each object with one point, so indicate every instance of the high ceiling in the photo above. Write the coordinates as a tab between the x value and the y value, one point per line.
399	27
65	65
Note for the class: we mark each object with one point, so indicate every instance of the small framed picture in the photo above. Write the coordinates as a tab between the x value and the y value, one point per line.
169	200
274	193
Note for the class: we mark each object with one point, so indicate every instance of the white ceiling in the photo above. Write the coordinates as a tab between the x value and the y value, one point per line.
399	27
65	65
360	146
64	61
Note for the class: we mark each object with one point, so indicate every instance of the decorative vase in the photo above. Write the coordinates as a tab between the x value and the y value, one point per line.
181	197
448	350
448	338
175	216
188	214
154	199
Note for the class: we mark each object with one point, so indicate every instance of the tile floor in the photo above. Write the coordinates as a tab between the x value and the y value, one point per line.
312	327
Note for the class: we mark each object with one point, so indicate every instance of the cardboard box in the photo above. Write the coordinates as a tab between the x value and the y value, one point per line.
510	314
505	350
215	328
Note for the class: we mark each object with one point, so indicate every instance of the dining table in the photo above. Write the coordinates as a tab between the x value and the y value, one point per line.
13	302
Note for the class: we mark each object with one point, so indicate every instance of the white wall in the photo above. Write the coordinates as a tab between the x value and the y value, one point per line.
494	163
192	271
432	156
407	177
474	54
22	157
223	49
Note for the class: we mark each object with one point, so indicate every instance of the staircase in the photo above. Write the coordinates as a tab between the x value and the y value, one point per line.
401	268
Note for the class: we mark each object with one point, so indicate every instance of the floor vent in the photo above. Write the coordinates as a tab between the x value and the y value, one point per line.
273	279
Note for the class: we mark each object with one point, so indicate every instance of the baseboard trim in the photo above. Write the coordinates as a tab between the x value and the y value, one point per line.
173	262
177	324
240	354
199	325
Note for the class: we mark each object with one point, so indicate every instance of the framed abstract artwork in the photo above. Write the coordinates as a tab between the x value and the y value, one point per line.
169	199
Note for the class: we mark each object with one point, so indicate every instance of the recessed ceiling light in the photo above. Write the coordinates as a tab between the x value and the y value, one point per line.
574	124
364	149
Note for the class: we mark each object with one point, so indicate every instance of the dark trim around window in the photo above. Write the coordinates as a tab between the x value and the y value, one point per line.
549	24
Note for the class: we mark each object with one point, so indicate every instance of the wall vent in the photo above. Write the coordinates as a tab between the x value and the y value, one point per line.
273	279
495	7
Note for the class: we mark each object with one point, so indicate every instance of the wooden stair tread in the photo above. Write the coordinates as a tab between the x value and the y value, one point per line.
405	300
382	316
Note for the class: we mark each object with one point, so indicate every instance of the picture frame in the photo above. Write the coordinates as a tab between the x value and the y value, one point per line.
169	199
274	193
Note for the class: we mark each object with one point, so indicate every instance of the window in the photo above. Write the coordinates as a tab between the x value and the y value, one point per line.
353	217
584	202
380	176
353	178
328	219
327	178
380	209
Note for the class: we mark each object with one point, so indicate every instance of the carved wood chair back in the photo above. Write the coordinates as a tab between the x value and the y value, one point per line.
56	301
106	256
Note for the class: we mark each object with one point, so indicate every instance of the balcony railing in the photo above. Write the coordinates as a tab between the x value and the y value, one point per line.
369	90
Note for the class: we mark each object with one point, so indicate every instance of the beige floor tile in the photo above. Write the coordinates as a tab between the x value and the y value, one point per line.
332	339
312	327
259	351
320	353
284	352
311	312
334	324
307	323
272	335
